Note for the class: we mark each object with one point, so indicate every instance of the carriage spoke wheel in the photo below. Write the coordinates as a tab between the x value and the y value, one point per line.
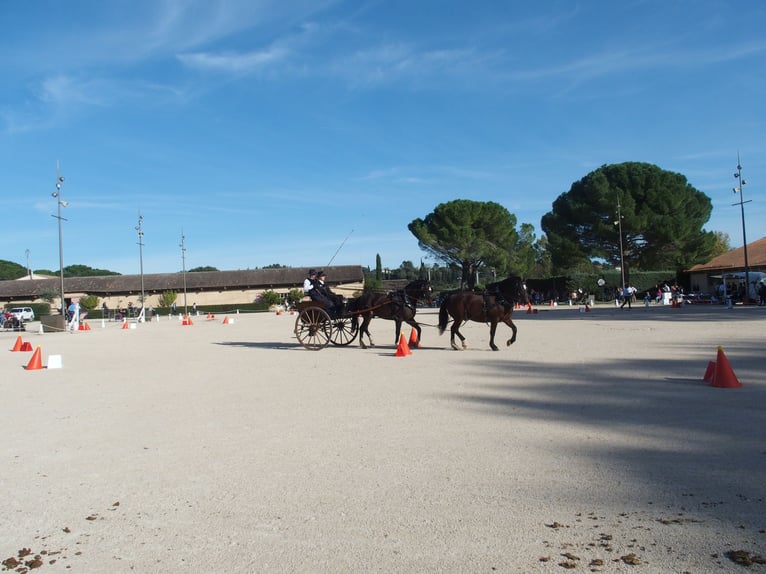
344	331
313	328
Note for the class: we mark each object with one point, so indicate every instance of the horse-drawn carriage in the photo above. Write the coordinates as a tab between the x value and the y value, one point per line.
318	325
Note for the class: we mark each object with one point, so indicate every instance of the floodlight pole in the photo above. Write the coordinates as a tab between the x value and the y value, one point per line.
741	190
59	203
183	263
140	230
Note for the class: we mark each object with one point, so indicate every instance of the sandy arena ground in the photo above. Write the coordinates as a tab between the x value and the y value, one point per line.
592	444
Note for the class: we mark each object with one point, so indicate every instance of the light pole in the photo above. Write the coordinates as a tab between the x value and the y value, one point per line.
140	230
29	271
741	190
183	263
618	223
59	204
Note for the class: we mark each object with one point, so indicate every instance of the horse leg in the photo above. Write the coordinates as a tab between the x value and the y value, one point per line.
492	329
398	331
414	324
513	328
364	329
455	330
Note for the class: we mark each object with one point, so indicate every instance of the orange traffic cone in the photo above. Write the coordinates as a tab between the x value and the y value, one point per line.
125	325
27	346
81	327
723	376
35	362
87	327
402	350
226	320
414	343
17	345
529	308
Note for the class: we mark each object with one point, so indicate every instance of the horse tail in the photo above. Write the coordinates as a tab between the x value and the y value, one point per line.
443	315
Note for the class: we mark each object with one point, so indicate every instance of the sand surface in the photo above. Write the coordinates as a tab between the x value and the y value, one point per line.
591	443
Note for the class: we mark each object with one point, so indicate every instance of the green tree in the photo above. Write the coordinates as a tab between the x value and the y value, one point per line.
89	302
722	243
295	296
85	271
202	268
378	267
273	266
660	214
10	270
468	234
269	297
167	298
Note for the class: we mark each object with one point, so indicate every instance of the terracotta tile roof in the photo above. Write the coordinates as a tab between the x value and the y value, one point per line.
735	259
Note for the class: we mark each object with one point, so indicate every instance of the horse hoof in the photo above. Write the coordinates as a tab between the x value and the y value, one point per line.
509	343
494	348
456	348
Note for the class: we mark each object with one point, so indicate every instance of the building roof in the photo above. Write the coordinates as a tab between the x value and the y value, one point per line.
195	281
735	259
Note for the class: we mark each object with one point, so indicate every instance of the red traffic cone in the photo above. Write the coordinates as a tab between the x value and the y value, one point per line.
402	350
709	372
17	345
414	342
35	362
226	320
723	376
87	327
27	346
125	325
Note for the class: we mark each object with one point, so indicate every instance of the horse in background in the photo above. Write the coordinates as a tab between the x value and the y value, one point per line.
399	306
494	305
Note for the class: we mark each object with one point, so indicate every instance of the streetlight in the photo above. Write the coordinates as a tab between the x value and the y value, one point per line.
140	230
741	189
618	223
59	204
183	262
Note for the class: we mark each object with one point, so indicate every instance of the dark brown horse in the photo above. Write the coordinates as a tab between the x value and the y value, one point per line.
399	306
493	306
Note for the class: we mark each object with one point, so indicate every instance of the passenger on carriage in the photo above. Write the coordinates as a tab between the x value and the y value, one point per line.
336	301
314	287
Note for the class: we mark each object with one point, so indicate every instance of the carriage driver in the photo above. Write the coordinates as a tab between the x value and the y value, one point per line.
315	289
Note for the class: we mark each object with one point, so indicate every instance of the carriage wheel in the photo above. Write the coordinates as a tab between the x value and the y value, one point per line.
313	328
344	331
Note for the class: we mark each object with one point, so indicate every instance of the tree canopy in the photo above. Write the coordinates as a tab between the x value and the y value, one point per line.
660	214
468	234
10	270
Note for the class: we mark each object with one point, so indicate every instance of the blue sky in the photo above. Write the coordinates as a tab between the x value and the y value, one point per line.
273	131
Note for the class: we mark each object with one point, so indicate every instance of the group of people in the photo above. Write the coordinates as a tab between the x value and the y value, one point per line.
315	288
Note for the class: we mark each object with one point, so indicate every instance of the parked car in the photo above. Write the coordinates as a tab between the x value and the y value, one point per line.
23	313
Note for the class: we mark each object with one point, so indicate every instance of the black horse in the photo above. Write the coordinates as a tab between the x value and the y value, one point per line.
400	306
494	305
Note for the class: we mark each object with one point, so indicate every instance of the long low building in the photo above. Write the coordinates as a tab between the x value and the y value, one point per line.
729	269
202	288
